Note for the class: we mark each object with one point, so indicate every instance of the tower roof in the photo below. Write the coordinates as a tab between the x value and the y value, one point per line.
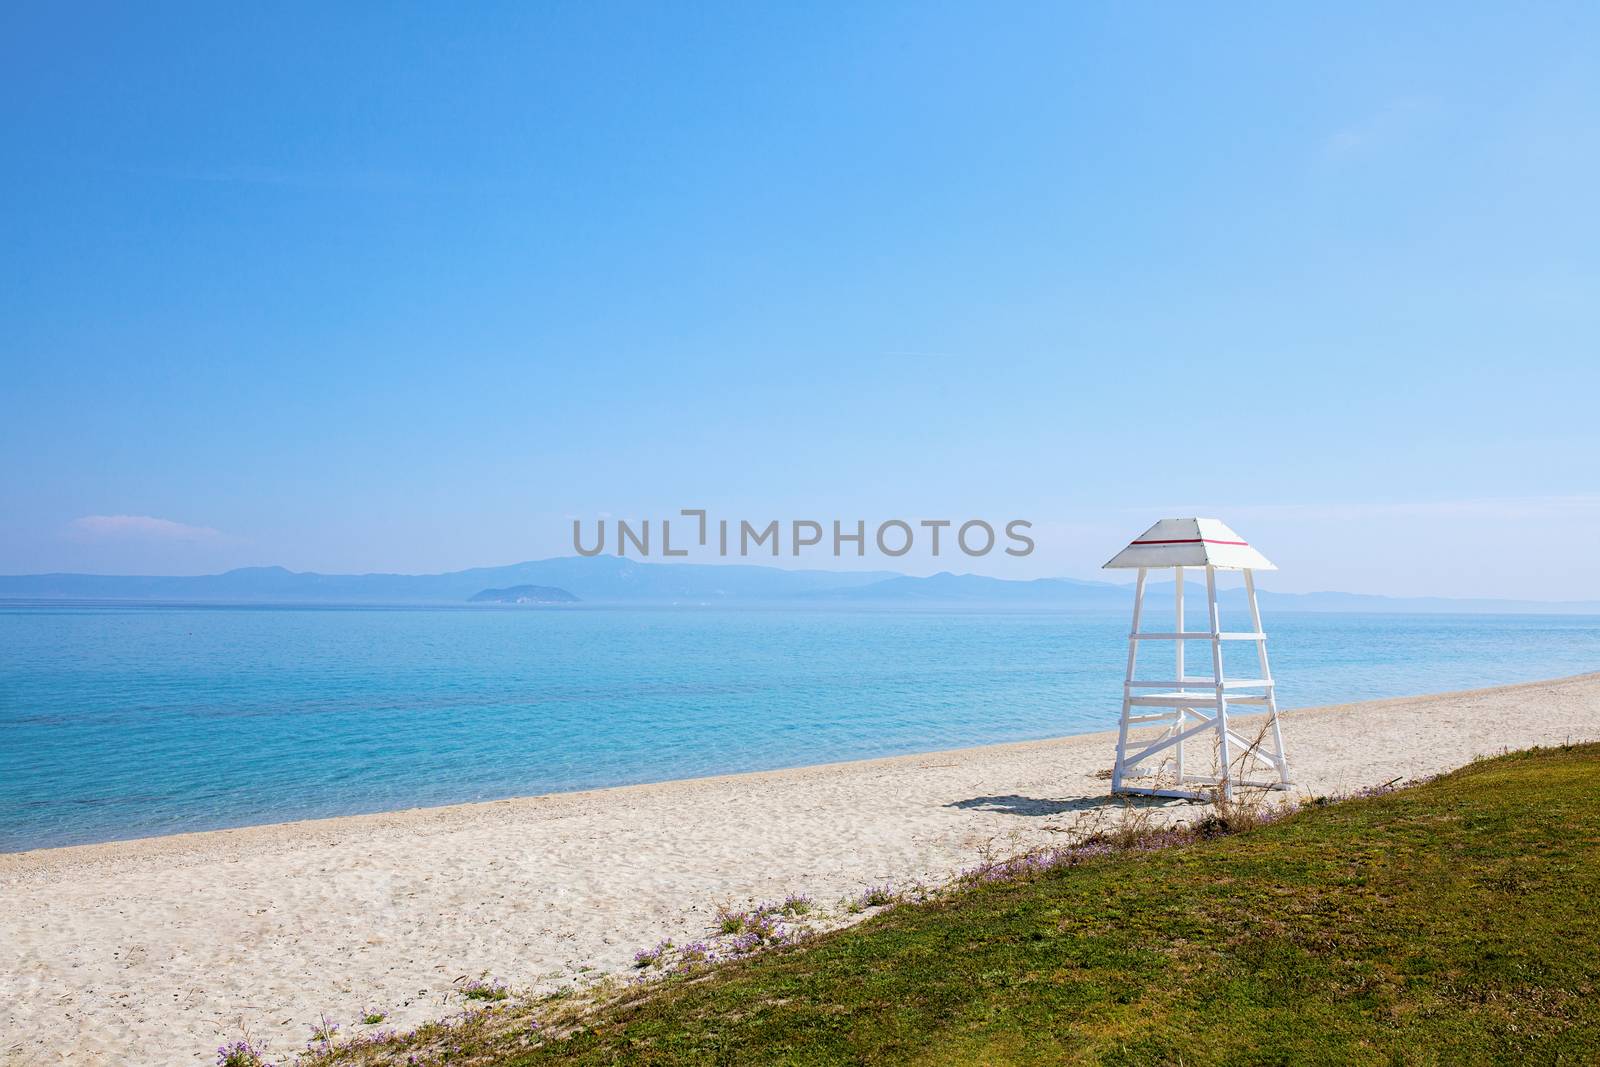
1191	543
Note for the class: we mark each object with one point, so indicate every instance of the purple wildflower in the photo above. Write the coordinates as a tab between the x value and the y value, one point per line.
876	896
696	952
796	904
241	1053
486	989
651	957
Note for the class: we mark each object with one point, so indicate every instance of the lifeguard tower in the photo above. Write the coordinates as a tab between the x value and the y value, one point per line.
1195	710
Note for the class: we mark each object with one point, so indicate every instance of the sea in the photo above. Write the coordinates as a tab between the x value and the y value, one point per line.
132	721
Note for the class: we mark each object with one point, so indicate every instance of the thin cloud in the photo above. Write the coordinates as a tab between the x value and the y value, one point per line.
1383	127
139	527
1524	507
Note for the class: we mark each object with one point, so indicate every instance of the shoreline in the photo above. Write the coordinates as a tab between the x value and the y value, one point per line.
155	950
465	809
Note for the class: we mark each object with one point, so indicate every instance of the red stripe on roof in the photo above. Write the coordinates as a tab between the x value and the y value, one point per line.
1191	541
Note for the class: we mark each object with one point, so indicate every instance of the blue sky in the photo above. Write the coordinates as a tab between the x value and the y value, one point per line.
404	288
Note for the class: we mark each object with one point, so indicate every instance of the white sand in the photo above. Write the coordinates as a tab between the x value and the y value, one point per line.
156	951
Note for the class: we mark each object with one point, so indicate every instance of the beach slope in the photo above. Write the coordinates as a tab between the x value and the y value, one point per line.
155	951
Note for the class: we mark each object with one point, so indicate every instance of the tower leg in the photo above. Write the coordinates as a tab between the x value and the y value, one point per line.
1127	684
1280	758
1182	714
1224	754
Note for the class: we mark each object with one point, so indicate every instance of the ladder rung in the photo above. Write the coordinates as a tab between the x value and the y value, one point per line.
1189	700
1179	794
1197	636
1229	683
1254	783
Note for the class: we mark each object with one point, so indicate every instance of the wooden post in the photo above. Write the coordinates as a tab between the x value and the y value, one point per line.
1223	755
1181	714
1127	684
1279	756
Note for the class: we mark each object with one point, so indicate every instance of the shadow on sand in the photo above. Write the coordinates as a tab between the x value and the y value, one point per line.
1014	804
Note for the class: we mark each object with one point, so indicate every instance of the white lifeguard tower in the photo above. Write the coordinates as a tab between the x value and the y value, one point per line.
1195	709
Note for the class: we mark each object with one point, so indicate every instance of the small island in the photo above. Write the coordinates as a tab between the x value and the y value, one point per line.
524	594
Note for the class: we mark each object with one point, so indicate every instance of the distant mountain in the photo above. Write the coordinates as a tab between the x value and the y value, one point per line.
613	580
596	579
975	590
1419	605
945	587
524	594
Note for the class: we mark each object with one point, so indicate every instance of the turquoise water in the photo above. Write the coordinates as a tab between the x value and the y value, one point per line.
128	722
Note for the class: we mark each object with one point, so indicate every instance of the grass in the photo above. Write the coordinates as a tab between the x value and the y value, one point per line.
730	920
1452	922
485	988
796	905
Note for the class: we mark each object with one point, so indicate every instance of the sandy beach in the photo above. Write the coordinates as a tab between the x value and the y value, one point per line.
155	951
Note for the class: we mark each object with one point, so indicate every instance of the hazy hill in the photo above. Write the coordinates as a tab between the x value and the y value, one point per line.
612	580
524	594
976	589
604	579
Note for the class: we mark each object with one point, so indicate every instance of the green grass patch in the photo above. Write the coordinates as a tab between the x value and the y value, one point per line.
1453	922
